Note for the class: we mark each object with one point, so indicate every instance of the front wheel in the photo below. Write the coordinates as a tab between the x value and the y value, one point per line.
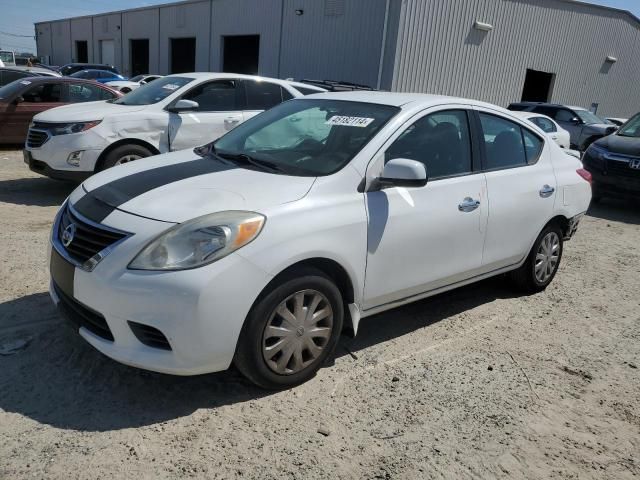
291	330
543	261
124	154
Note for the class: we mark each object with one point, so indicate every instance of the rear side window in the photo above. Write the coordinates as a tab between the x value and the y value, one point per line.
532	145
440	141
82	92
262	95
545	124
216	96
504	147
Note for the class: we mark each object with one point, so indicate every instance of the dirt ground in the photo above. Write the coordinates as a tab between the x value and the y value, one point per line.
475	383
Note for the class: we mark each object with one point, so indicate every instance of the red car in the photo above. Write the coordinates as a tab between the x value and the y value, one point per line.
22	99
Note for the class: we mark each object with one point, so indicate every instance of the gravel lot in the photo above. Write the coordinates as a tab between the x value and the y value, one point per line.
475	383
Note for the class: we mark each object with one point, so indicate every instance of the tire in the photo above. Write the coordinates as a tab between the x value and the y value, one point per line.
525	278
286	358
124	154
125	89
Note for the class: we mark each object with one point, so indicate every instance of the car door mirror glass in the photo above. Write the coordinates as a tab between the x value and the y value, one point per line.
403	172
184	105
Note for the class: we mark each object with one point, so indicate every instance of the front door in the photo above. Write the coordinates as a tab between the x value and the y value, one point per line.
423	238
219	111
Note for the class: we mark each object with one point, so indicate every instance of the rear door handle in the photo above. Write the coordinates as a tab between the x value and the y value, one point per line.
547	191
468	205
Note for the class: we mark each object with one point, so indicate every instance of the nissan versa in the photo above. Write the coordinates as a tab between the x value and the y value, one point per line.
261	247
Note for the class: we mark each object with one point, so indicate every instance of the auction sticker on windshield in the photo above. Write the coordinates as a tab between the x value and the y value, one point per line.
349	121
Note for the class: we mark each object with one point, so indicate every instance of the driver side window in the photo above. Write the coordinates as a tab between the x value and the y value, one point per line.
564	116
44	93
441	141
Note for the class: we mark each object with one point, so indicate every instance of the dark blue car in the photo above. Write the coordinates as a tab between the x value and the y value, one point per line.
102	76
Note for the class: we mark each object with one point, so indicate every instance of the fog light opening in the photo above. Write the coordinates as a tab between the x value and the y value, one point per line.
74	158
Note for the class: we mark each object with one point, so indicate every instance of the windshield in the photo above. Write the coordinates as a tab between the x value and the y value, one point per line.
154	92
307	137
631	128
588	117
10	89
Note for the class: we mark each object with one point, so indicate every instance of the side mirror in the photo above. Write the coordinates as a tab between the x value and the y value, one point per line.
402	172
576	121
18	99
183	106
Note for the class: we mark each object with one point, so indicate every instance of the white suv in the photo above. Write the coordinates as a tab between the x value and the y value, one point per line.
260	247
170	113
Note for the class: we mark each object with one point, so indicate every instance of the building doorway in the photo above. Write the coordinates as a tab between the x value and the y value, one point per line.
107	52
183	55
82	51
241	54
139	56
538	86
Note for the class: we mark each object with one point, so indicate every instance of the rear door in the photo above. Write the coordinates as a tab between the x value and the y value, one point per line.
220	110
521	188
423	238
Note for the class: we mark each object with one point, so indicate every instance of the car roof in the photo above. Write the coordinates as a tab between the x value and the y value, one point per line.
223	75
45	79
407	100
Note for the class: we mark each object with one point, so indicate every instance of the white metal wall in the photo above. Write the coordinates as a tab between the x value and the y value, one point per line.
439	51
247	17
182	21
107	27
141	24
60	41
81	30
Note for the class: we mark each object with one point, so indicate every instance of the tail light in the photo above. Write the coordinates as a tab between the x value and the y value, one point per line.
585	174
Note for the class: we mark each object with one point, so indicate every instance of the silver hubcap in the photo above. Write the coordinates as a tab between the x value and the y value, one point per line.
127	158
547	257
297	332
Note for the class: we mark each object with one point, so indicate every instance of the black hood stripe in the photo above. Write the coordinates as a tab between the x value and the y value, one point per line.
97	204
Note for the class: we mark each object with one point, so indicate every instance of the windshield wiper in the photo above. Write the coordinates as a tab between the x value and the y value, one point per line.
248	159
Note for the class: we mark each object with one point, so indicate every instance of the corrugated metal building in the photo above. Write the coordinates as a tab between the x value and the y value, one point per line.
495	50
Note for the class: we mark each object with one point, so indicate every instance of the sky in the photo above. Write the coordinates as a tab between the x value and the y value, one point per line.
18	16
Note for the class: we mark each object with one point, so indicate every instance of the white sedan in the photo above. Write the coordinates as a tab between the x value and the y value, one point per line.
260	247
558	134
171	113
126	86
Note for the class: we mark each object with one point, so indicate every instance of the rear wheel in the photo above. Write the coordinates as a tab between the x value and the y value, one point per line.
124	154
291	330
543	261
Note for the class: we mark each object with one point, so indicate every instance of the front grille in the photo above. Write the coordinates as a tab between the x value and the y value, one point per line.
88	239
82	316
150	336
36	138
622	169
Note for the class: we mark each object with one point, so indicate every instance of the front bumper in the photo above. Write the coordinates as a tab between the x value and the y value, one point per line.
200	312
42	168
50	158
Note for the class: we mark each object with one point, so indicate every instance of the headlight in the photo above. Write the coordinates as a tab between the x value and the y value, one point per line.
199	241
67	128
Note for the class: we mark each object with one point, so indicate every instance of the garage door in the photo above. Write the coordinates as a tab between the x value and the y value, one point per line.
107	52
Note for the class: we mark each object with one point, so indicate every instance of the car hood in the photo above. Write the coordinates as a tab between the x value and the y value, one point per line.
179	186
86	111
620	144
601	127
121	83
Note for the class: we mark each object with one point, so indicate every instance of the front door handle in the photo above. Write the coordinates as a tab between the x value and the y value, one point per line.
547	191
468	205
